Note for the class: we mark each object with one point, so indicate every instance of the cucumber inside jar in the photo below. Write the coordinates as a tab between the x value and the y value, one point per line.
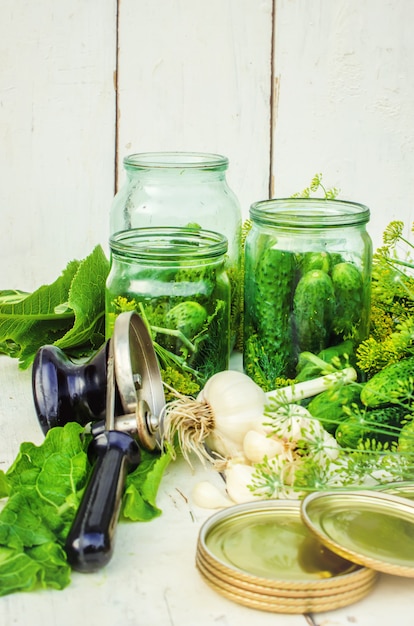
307	284
187	314
297	303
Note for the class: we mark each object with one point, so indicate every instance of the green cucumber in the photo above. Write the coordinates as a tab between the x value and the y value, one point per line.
331	407
349	297
313	309
393	384
275	276
381	425
315	261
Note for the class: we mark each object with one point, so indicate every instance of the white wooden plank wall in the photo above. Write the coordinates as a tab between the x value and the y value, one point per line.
57	129
284	88
196	75
343	73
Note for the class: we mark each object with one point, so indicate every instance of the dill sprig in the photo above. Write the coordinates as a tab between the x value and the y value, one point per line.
372	464
392	303
316	186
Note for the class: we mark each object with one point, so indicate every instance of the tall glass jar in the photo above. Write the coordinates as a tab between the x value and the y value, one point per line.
175	278
307	283
183	189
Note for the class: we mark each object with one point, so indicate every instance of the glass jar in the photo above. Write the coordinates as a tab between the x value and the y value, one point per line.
183	189
307	284
175	278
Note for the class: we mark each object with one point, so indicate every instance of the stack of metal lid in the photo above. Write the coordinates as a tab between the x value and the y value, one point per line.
319	554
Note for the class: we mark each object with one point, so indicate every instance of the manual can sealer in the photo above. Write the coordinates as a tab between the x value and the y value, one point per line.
125	383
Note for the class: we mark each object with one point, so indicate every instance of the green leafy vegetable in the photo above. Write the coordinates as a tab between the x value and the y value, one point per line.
39	510
43	488
69	313
139	503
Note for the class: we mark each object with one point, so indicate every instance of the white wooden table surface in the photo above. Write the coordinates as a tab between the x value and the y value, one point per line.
152	579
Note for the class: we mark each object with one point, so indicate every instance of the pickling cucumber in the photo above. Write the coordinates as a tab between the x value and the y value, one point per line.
375	425
270	309
313	309
392	384
348	288
331	407
315	261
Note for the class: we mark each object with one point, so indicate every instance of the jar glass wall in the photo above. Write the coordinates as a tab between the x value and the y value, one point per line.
307	283
175	278
183	189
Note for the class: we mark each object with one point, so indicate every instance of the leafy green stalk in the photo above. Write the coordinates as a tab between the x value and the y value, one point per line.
69	313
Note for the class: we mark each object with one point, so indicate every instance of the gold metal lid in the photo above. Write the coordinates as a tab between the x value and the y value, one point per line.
262	555
372	528
404	489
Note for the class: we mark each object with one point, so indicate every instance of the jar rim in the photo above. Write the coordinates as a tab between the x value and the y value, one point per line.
309	212
165	243
174	160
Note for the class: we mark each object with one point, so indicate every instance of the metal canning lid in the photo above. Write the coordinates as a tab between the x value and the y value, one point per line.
361	577
404	489
283	603
372	528
262	555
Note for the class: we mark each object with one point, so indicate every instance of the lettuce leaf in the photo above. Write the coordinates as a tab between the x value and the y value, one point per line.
69	313
139	502
44	487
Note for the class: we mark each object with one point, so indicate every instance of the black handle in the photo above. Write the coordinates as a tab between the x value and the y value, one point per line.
67	392
89	544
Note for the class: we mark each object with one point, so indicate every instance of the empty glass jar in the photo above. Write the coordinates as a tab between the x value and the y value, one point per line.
181	189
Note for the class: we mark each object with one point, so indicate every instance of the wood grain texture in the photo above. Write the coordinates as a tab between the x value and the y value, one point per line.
196	76
57	134
336	97
345	102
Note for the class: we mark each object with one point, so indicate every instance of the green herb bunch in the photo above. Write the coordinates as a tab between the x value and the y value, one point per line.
392	303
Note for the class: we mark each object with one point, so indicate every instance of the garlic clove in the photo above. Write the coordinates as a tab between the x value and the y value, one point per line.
208	496
257	445
238	477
